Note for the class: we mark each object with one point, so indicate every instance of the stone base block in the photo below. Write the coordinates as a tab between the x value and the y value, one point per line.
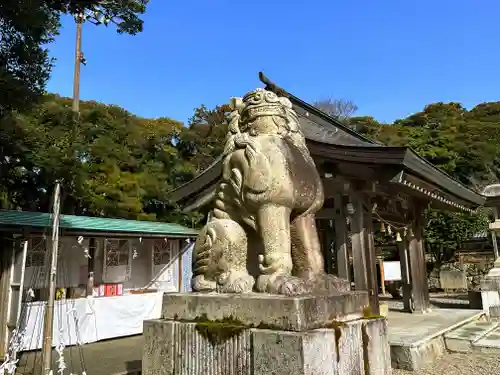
256	334
173	348
299	313
297	353
178	348
376	349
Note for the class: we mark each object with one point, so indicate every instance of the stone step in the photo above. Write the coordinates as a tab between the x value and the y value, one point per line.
461	339
489	343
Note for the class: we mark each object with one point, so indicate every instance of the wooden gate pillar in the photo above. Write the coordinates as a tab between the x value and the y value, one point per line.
418	267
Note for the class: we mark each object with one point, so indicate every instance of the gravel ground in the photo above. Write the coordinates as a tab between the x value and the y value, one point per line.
460	364
452	363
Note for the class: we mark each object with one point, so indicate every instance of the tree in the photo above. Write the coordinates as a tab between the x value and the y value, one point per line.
445	231
366	125
203	141
339	109
27	26
124	14
125	165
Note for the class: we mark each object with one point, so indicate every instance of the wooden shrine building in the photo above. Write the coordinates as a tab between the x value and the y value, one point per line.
364	182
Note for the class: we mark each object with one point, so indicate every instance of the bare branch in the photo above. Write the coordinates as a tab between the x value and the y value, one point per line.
339	109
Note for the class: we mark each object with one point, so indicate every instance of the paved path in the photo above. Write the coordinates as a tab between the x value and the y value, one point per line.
454	363
101	358
408	329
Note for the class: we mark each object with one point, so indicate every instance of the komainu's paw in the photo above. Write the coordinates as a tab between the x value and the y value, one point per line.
237	282
200	284
282	284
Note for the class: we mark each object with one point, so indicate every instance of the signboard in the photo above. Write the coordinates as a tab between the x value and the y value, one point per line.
392	271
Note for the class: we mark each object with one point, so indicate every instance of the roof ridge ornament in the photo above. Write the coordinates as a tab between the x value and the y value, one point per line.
271	86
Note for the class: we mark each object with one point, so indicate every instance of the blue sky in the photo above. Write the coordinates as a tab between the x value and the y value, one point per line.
391	57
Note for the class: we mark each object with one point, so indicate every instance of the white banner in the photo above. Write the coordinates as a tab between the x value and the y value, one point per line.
88	320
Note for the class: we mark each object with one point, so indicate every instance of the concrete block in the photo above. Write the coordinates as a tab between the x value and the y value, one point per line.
489	344
299	313
414	357
376	349
294	353
319	352
461	339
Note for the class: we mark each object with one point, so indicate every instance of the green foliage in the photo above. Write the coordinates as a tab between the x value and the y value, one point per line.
462	143
445	231
115	165
203	141
26	28
122	13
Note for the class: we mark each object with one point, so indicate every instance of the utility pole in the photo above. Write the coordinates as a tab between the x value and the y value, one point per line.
49	311
78	62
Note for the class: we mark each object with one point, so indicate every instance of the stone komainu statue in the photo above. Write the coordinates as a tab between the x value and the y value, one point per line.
262	233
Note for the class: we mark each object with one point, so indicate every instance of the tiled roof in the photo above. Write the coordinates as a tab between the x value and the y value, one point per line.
93	224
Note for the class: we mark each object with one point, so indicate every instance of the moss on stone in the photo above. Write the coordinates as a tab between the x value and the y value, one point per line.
369	314
373	316
270	327
218	331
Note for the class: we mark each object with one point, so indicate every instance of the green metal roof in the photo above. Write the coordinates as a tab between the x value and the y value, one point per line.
93	224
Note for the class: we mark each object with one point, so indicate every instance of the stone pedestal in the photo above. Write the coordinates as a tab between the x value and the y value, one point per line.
256	334
490	287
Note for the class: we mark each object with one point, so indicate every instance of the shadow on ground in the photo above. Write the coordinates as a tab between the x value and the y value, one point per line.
133	367
437	301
